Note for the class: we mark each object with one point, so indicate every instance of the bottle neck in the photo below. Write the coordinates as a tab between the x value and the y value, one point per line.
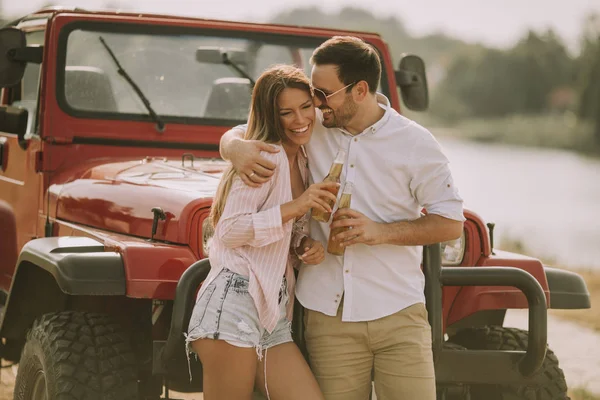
336	169
345	200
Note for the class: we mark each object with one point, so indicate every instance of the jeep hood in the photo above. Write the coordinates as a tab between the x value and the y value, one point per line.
120	196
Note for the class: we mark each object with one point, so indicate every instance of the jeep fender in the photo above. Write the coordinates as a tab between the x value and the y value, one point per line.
49	270
469	300
79	264
563	289
568	290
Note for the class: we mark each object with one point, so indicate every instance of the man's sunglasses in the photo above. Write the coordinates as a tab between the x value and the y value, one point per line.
322	97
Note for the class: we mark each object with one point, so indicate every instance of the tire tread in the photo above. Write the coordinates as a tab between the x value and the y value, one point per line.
503	338
87	357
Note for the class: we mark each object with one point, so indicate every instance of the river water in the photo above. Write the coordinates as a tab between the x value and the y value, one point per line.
547	199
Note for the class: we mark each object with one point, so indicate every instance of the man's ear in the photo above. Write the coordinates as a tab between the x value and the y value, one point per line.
361	90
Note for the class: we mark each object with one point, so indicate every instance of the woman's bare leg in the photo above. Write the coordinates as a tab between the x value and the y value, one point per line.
229	372
288	375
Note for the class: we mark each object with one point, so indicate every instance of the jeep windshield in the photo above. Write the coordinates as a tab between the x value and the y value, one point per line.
181	72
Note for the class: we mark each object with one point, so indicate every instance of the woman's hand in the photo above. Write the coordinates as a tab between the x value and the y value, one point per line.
311	251
317	196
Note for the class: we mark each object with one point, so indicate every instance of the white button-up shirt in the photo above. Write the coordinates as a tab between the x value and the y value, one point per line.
397	168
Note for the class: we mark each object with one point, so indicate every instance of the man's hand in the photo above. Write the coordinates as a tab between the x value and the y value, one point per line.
362	229
311	251
253	169
422	231
245	157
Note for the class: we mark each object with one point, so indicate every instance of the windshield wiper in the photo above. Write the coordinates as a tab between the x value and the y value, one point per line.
160	125
236	68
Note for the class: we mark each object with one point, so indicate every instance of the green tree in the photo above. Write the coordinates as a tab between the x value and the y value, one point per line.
494	83
479	84
542	64
589	78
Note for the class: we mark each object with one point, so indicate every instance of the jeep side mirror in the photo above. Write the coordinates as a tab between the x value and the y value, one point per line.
412	81
14	56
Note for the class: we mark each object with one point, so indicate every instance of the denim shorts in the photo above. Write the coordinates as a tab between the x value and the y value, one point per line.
226	311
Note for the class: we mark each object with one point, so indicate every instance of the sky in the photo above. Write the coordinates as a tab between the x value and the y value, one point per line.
497	23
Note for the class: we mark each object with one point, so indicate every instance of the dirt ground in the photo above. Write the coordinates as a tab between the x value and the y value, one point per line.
7	380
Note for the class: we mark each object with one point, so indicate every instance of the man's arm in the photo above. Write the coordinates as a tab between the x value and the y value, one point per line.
253	169
428	229
227	143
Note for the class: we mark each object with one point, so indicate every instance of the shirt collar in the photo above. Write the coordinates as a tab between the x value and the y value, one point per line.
384	103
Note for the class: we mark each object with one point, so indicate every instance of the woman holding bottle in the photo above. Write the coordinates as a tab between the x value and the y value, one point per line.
240	326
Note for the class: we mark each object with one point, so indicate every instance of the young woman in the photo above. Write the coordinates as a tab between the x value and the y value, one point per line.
240	326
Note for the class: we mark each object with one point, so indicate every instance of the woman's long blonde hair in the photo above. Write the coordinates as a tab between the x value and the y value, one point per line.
264	123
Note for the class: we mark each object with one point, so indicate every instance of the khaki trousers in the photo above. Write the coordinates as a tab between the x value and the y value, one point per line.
395	351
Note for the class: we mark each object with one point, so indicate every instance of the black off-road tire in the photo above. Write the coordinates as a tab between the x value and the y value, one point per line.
76	356
454	392
501	338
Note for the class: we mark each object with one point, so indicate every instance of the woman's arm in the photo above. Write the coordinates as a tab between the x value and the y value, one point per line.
242	223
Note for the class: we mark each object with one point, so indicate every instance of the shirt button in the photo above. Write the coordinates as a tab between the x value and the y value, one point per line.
335	301
351	165
337	295
347	271
356	139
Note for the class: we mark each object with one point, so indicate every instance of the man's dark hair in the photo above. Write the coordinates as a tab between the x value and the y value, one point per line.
355	59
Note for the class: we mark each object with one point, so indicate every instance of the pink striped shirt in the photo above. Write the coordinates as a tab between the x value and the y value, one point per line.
251	240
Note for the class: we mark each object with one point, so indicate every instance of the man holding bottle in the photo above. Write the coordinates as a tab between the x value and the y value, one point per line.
365	310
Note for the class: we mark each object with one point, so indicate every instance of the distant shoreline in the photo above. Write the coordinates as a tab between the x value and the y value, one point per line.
561	132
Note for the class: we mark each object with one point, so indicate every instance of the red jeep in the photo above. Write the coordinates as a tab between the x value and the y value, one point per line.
109	132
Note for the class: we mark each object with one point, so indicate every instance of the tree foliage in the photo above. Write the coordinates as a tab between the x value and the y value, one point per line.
492	82
589	78
434	49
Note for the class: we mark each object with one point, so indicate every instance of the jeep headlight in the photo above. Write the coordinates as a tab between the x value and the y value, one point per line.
207	235
453	251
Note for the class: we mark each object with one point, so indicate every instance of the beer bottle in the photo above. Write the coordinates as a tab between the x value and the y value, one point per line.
334	247
333	176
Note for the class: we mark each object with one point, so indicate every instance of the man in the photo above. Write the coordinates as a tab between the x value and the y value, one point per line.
365	310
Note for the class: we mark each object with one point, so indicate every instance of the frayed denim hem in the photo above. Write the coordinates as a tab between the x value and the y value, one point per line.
200	334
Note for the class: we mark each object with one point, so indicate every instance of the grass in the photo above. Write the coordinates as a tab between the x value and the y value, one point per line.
582	394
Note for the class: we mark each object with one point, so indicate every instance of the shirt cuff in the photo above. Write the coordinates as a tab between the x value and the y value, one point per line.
267	226
451	209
